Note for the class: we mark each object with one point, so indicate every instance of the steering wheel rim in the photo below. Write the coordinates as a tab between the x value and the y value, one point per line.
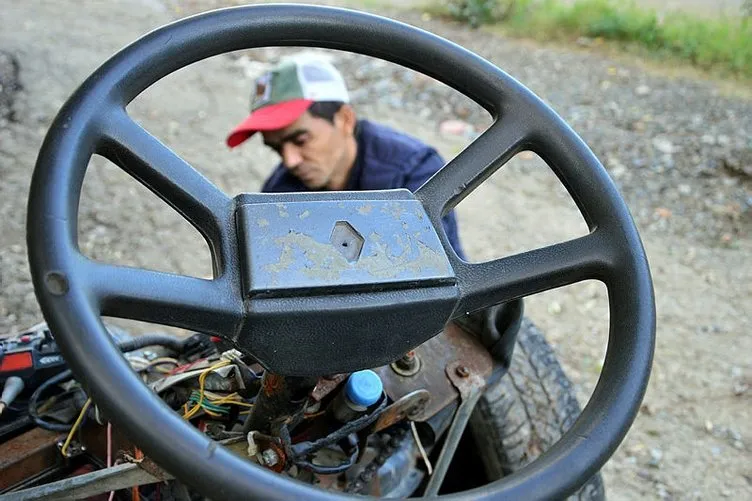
73	290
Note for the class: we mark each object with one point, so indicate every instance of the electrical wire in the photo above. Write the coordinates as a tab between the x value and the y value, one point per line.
109	455
66	444
422	451
201	382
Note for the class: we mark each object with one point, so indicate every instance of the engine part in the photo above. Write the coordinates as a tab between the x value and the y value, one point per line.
407	406
13	386
470	385
452	344
362	390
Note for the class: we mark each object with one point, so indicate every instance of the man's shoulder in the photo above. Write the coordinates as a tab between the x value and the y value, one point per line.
280	180
390	147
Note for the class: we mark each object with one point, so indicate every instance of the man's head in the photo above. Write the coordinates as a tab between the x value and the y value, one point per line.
301	108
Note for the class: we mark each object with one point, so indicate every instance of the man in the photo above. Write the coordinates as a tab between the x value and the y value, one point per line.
302	109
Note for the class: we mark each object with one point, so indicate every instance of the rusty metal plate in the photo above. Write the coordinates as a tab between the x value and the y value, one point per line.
453	345
410	405
27	455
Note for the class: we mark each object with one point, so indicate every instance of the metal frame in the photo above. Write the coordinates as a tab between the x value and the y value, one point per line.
74	291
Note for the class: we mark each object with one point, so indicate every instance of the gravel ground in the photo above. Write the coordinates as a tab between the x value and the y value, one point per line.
679	149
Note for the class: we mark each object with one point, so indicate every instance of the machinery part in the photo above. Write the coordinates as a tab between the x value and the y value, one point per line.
362	390
524	413
470	386
496	328
13	386
370	319
453	343
408	365
280	397
406	407
117	477
28	455
391	442
269	457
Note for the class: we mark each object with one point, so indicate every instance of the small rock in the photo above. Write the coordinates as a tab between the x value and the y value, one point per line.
656	455
708	139
709	426
663	145
723	140
456	128
725	492
685	189
715	451
736	371
740	388
585	42
663	213
738	445
642	90
554	308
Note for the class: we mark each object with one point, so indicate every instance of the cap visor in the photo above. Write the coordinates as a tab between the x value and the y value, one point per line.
272	117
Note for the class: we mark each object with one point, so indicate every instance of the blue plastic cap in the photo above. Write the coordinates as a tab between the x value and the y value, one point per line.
364	388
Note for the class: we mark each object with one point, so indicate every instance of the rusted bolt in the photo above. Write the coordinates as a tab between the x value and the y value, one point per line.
462	371
407	365
269	457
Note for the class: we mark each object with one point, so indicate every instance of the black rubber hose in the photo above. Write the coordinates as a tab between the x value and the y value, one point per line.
303	449
132	344
136	343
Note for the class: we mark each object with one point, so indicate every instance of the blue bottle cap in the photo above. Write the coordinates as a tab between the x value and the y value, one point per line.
364	388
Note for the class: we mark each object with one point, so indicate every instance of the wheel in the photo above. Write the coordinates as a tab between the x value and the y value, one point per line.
527	411
301	318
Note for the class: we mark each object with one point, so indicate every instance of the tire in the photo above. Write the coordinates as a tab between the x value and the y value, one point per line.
525	412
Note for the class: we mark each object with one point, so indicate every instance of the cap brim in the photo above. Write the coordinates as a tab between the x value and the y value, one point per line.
272	117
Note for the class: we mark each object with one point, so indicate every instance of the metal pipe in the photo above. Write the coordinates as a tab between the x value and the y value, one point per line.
452	441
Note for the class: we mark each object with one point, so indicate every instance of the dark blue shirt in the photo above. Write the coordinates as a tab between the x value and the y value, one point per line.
386	159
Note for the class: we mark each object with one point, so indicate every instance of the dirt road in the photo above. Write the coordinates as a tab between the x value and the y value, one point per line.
693	438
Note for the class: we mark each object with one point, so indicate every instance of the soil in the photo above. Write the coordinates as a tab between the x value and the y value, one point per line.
680	150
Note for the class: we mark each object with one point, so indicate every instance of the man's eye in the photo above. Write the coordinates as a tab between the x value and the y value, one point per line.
300	141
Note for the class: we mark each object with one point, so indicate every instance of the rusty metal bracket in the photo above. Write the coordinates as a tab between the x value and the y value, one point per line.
470	386
449	346
410	405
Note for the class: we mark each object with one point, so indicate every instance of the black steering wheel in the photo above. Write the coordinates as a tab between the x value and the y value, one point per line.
318	324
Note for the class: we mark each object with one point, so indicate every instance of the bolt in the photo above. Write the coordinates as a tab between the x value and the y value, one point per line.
269	457
407	361
462	371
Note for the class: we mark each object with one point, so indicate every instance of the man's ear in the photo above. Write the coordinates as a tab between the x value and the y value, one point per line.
345	119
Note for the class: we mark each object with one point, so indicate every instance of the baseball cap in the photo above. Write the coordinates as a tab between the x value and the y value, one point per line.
281	95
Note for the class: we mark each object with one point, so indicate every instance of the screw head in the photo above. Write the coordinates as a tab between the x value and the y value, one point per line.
462	371
269	457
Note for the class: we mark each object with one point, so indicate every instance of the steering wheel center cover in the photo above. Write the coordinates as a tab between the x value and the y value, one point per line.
73	310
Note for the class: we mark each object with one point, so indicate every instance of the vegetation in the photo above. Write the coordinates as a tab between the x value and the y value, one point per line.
710	43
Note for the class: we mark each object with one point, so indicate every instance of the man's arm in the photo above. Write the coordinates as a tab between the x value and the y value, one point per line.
423	166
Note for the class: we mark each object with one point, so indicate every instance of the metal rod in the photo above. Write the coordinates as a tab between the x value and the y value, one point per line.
91	484
461	417
279	397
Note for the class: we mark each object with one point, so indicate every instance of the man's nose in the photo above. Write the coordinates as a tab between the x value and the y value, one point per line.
291	156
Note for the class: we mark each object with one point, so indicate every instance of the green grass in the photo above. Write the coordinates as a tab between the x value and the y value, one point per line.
714	43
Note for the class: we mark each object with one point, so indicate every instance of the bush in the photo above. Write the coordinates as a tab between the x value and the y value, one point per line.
477	12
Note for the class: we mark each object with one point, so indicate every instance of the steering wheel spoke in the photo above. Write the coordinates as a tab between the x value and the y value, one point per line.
157	167
209	306
531	272
476	163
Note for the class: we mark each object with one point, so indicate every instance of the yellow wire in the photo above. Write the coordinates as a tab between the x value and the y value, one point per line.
64	448
201	381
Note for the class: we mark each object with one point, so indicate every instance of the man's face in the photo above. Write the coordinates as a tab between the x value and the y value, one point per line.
315	150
